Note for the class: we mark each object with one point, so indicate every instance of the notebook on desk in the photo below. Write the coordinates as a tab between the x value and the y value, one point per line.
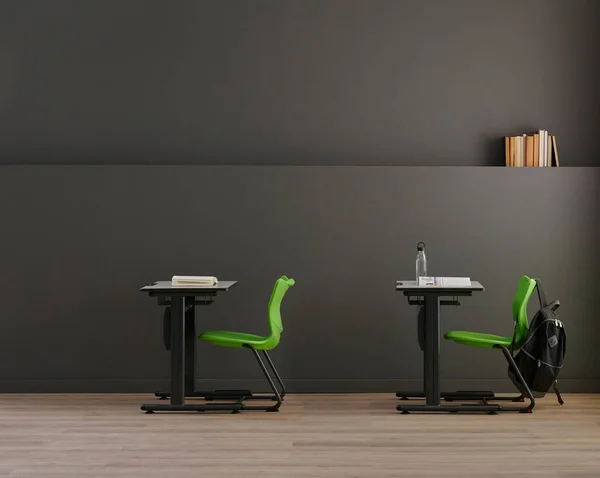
444	281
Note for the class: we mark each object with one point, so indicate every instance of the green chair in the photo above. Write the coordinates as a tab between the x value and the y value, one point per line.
504	343
257	342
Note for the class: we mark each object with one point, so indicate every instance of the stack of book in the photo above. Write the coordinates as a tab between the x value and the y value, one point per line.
534	150
191	281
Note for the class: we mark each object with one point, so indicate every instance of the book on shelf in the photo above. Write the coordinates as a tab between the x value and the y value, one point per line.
531	150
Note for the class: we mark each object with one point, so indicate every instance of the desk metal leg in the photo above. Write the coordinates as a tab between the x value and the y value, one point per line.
177	350
432	350
190	349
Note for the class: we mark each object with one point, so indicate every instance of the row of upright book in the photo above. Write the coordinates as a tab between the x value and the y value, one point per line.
531	150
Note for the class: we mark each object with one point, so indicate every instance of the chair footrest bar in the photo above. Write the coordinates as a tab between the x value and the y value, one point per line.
407	395
191	407
449	408
450	396
211	395
468	395
261	397
519	398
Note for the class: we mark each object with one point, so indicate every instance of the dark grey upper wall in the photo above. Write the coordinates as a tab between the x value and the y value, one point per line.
429	82
79	241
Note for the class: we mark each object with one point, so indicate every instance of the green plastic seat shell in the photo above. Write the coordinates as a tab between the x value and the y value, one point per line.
225	338
233	339
476	339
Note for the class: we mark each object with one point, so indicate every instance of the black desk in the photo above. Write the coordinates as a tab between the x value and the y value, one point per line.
431	299
183	344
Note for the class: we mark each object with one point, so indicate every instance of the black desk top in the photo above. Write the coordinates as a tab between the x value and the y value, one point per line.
166	288
411	286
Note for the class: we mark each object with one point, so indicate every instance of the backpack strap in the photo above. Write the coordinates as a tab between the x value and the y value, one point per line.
554	305
541	294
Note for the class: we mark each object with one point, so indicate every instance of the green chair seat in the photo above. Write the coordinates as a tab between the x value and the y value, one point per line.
519	308
477	339
225	338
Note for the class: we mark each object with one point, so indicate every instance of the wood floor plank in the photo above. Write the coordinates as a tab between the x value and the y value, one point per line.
358	435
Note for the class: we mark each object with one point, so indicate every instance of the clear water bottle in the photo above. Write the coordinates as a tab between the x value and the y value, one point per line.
421	261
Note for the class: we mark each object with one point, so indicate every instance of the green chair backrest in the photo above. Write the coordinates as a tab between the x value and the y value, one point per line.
281	287
519	309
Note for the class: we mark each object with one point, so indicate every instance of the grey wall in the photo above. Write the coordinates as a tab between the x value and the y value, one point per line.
280	82
338	82
79	241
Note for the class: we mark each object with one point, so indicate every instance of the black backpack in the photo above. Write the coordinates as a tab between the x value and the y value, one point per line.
540	358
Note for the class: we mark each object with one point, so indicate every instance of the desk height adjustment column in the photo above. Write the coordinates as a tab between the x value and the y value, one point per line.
178	350
190	345
432	349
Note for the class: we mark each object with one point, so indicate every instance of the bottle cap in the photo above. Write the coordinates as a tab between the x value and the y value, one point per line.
420	246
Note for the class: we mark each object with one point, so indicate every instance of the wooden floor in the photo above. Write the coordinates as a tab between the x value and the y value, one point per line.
312	436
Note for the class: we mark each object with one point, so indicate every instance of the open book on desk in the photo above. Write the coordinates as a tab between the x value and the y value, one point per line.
444	281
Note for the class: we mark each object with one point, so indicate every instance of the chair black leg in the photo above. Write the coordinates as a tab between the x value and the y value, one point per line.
528	394
276	397
557	392
270	362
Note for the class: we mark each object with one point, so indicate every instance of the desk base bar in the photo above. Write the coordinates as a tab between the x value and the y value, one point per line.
204	407
484	408
491	409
